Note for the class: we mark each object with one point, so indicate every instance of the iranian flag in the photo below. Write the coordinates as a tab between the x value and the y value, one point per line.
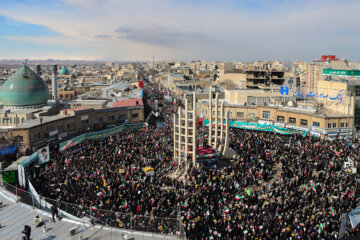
250	172
208	182
122	186
238	197
93	174
313	187
332	211
94	208
99	194
201	120
144	178
126	204
227	210
183	205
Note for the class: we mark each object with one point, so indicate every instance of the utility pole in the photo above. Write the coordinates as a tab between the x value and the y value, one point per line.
348	118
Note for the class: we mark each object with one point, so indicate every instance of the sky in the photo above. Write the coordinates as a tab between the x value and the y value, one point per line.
183	30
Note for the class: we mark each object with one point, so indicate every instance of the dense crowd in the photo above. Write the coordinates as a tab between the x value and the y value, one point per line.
280	187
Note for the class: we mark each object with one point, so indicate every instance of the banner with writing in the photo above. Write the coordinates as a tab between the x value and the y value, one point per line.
99	135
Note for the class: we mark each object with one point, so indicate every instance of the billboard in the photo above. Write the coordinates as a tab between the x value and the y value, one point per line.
43	155
341	72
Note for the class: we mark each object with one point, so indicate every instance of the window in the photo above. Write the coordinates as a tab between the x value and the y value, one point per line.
10	120
37	136
316	124
280	118
98	120
134	115
70	126
111	118
357	91
329	125
266	114
342	125
230	114
85	122
251	116
292	120
303	122
122	117
21	138
60	128
17	120
346	125
240	114
334	125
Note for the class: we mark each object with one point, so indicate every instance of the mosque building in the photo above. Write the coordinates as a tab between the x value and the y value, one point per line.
32	116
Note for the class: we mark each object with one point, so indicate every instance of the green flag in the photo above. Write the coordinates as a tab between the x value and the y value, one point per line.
248	191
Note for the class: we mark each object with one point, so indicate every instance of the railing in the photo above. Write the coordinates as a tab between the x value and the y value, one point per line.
83	214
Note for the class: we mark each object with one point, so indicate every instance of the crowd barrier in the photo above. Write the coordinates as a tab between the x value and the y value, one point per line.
82	214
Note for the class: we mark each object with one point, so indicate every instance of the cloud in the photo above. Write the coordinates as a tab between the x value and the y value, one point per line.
160	36
102	36
185	30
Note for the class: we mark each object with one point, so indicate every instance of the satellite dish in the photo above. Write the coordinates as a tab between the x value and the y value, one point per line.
290	104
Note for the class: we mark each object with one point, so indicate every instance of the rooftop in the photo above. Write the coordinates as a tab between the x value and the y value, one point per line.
14	216
128	103
45	119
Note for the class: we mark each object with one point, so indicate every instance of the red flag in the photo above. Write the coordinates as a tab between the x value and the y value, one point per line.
200	120
138	208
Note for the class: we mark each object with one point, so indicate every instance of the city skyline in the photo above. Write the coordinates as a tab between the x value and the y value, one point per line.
178	30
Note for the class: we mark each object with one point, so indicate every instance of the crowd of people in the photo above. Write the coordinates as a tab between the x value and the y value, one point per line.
280	187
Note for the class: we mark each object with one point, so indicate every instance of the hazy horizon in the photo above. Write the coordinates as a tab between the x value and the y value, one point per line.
183	30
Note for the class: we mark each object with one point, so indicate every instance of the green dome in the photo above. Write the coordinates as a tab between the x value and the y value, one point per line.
64	71
24	88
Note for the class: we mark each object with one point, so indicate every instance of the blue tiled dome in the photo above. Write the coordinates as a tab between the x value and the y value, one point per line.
64	71
24	88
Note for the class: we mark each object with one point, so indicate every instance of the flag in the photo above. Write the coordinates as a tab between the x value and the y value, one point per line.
277	213
200	120
94	208
332	211
238	197
99	194
122	186
208	182
93	174
248	191
183	205
144	178
126	204
250	172
227	210
138	208
313	187
109	169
